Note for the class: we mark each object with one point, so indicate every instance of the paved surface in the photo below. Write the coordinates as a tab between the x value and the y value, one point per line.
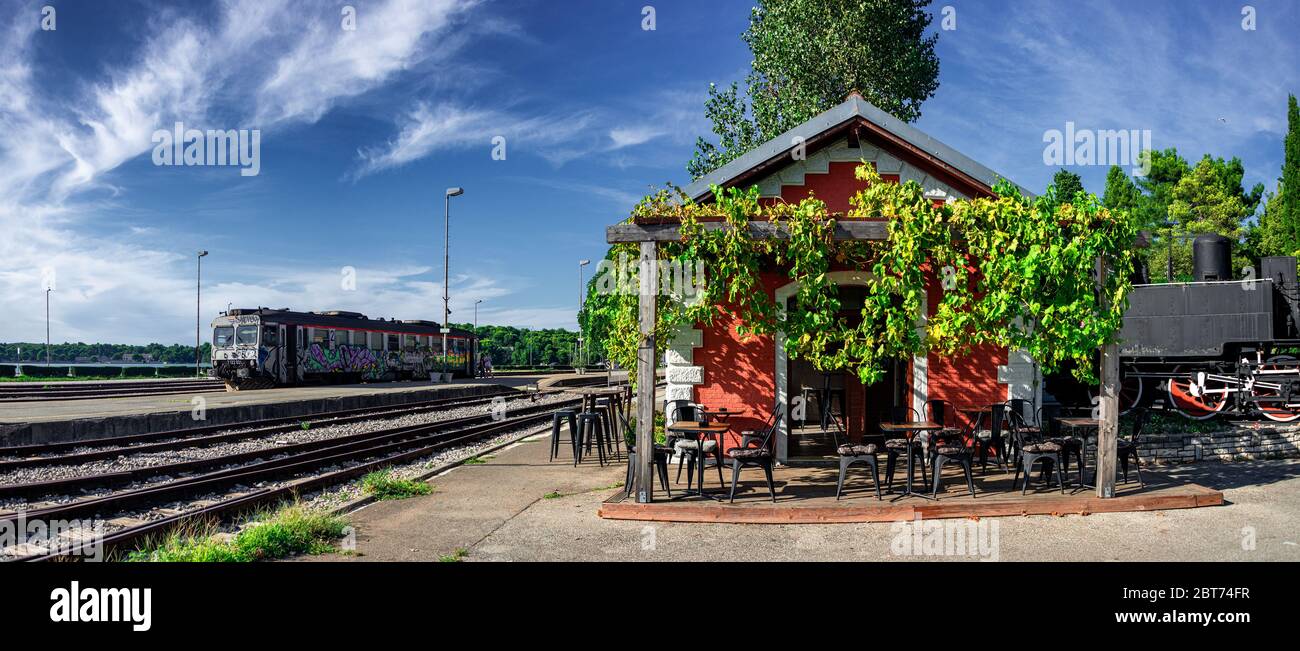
497	511
35	412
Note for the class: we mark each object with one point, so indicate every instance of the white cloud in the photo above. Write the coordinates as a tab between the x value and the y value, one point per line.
260	64
632	136
428	129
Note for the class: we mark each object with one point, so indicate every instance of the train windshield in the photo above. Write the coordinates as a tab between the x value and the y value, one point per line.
246	335
223	336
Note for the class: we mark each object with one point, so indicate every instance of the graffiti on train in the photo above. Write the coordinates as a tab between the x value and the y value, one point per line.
371	364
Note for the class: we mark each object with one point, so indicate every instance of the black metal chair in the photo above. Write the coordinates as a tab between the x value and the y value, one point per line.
661	455
1070	445
1129	447
942	412
994	440
851	453
1035	452
898	446
680	410
757	456
958	447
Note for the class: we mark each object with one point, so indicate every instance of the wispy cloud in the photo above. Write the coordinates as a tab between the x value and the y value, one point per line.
428	129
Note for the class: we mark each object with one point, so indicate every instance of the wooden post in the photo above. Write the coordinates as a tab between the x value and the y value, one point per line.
1108	429
645	373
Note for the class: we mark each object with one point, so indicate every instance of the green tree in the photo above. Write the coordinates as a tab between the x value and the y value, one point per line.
1279	226
808	56
1067	184
1121	193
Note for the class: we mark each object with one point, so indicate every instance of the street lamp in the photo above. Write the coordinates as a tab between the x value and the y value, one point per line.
581	299
446	261
1169	263
47	324
474	356
198	310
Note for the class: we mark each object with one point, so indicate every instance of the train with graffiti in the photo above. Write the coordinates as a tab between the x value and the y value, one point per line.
263	348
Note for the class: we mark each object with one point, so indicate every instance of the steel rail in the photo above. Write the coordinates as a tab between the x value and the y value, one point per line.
391	452
72	484
245	503
118	446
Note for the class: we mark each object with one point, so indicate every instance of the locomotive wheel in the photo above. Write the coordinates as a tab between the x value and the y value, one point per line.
1202	407
1131	390
1274	411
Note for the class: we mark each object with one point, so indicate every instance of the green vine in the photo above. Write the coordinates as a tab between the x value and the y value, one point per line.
1012	272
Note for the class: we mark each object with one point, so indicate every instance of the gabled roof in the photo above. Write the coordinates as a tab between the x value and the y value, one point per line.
842	118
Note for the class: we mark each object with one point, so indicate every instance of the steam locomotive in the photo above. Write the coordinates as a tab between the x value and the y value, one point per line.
261	348
1215	343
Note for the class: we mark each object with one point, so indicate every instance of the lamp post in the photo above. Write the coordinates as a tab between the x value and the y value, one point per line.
198	310
1169	262
581	299
47	324
446	260
474	355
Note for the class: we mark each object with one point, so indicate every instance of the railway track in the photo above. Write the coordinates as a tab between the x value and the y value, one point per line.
219	486
112	389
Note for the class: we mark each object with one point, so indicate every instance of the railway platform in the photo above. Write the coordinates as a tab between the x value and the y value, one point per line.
26	423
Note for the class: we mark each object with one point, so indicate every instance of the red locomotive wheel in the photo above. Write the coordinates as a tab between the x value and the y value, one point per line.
1274	411
1196	407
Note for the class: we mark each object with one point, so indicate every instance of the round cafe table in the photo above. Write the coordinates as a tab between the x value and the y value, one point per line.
698	431
910	429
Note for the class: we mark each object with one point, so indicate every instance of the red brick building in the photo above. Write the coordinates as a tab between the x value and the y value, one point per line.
713	366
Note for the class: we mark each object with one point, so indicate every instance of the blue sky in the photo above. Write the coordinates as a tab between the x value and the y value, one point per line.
361	131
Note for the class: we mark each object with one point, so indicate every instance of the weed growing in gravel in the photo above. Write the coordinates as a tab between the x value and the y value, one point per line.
475	461
454	557
291	530
383	485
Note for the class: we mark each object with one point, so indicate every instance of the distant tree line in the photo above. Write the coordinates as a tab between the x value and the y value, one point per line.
509	346
69	353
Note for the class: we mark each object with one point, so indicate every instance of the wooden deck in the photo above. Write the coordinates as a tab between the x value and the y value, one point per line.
806	495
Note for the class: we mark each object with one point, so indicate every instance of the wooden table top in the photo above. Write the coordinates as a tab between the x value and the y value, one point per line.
910	426
1079	422
694	426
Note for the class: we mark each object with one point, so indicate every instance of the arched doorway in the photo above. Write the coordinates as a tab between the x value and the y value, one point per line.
801	438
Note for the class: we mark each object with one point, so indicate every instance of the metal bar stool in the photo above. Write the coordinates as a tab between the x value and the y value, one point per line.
590	428
557	419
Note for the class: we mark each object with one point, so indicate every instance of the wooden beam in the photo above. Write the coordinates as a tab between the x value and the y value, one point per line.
1108	429
645	374
761	230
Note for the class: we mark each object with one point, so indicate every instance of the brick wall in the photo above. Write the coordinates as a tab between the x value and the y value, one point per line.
738	373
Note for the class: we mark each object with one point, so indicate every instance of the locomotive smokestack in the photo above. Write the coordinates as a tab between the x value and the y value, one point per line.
1211	258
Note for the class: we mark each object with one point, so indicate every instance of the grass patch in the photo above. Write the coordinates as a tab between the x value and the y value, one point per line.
454	557
291	530
384	486
475	461
553	495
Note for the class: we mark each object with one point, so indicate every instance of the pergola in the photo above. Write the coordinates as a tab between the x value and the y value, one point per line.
649	235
